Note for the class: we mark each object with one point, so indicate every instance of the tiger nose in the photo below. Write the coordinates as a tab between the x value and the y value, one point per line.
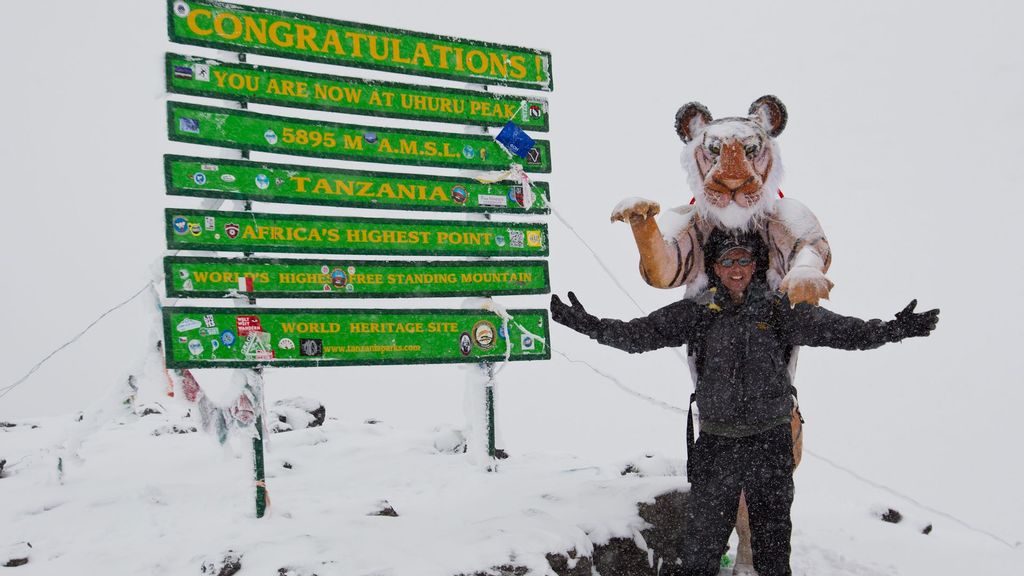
733	183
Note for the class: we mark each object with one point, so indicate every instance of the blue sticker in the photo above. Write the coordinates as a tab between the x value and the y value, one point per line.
516	194
228	338
515	140
370	137
262	181
459	195
183	72
180	225
468	151
199	178
338	277
190	125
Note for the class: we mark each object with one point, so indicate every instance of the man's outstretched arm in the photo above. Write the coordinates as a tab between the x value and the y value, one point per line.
672	325
806	325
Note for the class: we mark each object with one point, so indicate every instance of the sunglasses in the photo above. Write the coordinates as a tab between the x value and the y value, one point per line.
728	262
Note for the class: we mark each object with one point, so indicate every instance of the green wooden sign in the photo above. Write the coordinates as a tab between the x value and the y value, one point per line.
249	337
289	35
323	278
255	232
229	81
283	135
264	182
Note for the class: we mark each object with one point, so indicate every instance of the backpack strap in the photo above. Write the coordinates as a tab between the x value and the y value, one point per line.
689	438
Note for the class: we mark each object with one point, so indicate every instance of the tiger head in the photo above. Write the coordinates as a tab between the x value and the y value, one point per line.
733	163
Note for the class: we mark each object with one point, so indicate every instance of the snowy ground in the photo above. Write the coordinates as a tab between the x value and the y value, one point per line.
135	503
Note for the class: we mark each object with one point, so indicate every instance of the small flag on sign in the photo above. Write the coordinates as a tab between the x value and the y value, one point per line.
515	140
245	284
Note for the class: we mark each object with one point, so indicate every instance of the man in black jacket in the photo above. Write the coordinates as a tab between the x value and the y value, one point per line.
741	336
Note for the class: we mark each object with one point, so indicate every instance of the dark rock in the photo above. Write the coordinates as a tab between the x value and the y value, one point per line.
7	425
630	469
150	409
667	517
287	465
449	440
230	564
174	429
371	421
569	565
927	530
500	454
296	414
2	463
622	557
503	570
18	555
294	572
892	516
384	509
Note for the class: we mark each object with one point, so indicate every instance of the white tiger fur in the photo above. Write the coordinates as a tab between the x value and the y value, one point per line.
735	191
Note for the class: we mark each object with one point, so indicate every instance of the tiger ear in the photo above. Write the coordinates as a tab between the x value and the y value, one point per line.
770	113
690	118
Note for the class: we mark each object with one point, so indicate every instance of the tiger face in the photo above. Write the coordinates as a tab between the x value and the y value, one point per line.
733	163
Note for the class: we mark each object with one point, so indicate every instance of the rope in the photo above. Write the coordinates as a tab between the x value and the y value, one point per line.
623	387
593	253
913	501
7	389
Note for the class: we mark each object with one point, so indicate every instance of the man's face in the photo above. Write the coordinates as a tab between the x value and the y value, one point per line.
736	277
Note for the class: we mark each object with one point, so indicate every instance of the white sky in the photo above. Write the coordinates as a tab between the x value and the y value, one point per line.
903	138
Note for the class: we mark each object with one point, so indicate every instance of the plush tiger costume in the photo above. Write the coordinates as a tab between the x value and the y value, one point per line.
734	171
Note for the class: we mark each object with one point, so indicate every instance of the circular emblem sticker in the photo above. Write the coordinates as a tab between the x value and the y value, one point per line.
199	178
271	136
465	344
499	240
181	9
459	195
262	182
484	334
180	225
338	277
370	137
468	151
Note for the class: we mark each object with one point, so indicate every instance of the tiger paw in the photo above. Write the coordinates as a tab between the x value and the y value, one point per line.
634	210
806	284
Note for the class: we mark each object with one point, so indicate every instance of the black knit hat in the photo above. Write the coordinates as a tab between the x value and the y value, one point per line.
720	242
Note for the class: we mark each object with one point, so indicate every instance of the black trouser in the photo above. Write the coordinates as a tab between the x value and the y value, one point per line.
761	465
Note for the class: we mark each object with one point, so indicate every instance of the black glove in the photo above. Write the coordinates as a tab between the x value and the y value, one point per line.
575	316
909	324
